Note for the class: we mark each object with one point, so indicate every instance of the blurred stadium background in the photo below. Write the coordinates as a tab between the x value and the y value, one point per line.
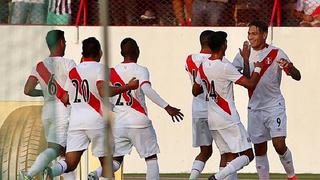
22	45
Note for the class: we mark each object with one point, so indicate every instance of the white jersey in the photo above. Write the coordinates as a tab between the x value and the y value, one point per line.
86	103
267	92
130	107
217	77
308	6
52	74
199	103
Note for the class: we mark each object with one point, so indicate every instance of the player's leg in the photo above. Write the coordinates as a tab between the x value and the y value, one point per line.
201	137
277	123
234	140
56	146
259	135
152	168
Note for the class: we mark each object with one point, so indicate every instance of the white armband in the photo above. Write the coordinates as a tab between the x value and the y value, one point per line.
257	70
153	95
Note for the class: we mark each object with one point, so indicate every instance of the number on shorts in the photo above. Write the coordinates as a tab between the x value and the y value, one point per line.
84	89
279	122
52	86
119	102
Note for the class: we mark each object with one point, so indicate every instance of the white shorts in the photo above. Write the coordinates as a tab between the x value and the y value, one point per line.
79	140
56	130
266	124
201	135
233	139
143	139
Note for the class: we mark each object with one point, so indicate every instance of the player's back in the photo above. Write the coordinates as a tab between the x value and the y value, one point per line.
84	97
52	74
130	107
199	103
217	77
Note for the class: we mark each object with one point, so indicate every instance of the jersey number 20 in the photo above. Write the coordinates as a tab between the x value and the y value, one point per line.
84	89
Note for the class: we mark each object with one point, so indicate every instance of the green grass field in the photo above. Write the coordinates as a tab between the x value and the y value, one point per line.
205	176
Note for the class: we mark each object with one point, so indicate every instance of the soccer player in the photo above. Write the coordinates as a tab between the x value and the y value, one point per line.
132	126
86	90
216	76
51	74
201	135
267	118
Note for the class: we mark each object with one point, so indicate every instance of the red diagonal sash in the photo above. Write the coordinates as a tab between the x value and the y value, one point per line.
47	77
191	66
222	103
267	61
93	101
115	78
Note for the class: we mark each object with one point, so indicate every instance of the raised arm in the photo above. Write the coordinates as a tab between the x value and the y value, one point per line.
251	82
30	87
245	54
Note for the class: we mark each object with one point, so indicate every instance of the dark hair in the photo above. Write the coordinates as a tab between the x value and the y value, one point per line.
53	37
91	47
216	40
128	46
263	27
204	36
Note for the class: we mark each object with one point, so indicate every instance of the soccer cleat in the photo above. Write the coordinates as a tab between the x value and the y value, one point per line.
293	178
212	177
47	174
93	175
23	176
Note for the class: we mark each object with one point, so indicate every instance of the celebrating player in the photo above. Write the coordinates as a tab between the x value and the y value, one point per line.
132	127
52	74
217	75
201	135
267	118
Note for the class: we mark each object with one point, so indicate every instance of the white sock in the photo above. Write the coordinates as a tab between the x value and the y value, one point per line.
115	165
196	170
233	176
152	170
59	168
287	162
233	167
42	161
99	171
262	166
70	175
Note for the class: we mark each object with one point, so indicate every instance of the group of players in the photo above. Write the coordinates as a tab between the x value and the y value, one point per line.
72	113
258	67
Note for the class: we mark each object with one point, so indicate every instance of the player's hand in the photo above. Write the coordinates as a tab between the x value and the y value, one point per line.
283	63
133	84
258	64
175	113
245	51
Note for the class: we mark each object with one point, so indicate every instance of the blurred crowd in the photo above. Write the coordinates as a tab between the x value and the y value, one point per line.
161	12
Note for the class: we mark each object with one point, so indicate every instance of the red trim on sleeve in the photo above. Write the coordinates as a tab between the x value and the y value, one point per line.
93	101
267	61
115	78
237	81
316	12
145	82
286	69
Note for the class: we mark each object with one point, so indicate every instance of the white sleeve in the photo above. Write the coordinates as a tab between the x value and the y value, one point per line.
238	62
282	54
231	73
153	95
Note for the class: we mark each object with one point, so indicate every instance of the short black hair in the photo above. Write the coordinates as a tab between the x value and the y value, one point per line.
91	47
204	36
216	40
263	27
53	37
128	46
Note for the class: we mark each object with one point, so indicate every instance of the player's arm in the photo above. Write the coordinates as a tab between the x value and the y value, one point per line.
30	87
251	82
175	113
245	54
113	90
290	69
196	89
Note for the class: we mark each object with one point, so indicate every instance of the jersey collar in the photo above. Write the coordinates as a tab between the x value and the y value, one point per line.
84	59
213	59
205	51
